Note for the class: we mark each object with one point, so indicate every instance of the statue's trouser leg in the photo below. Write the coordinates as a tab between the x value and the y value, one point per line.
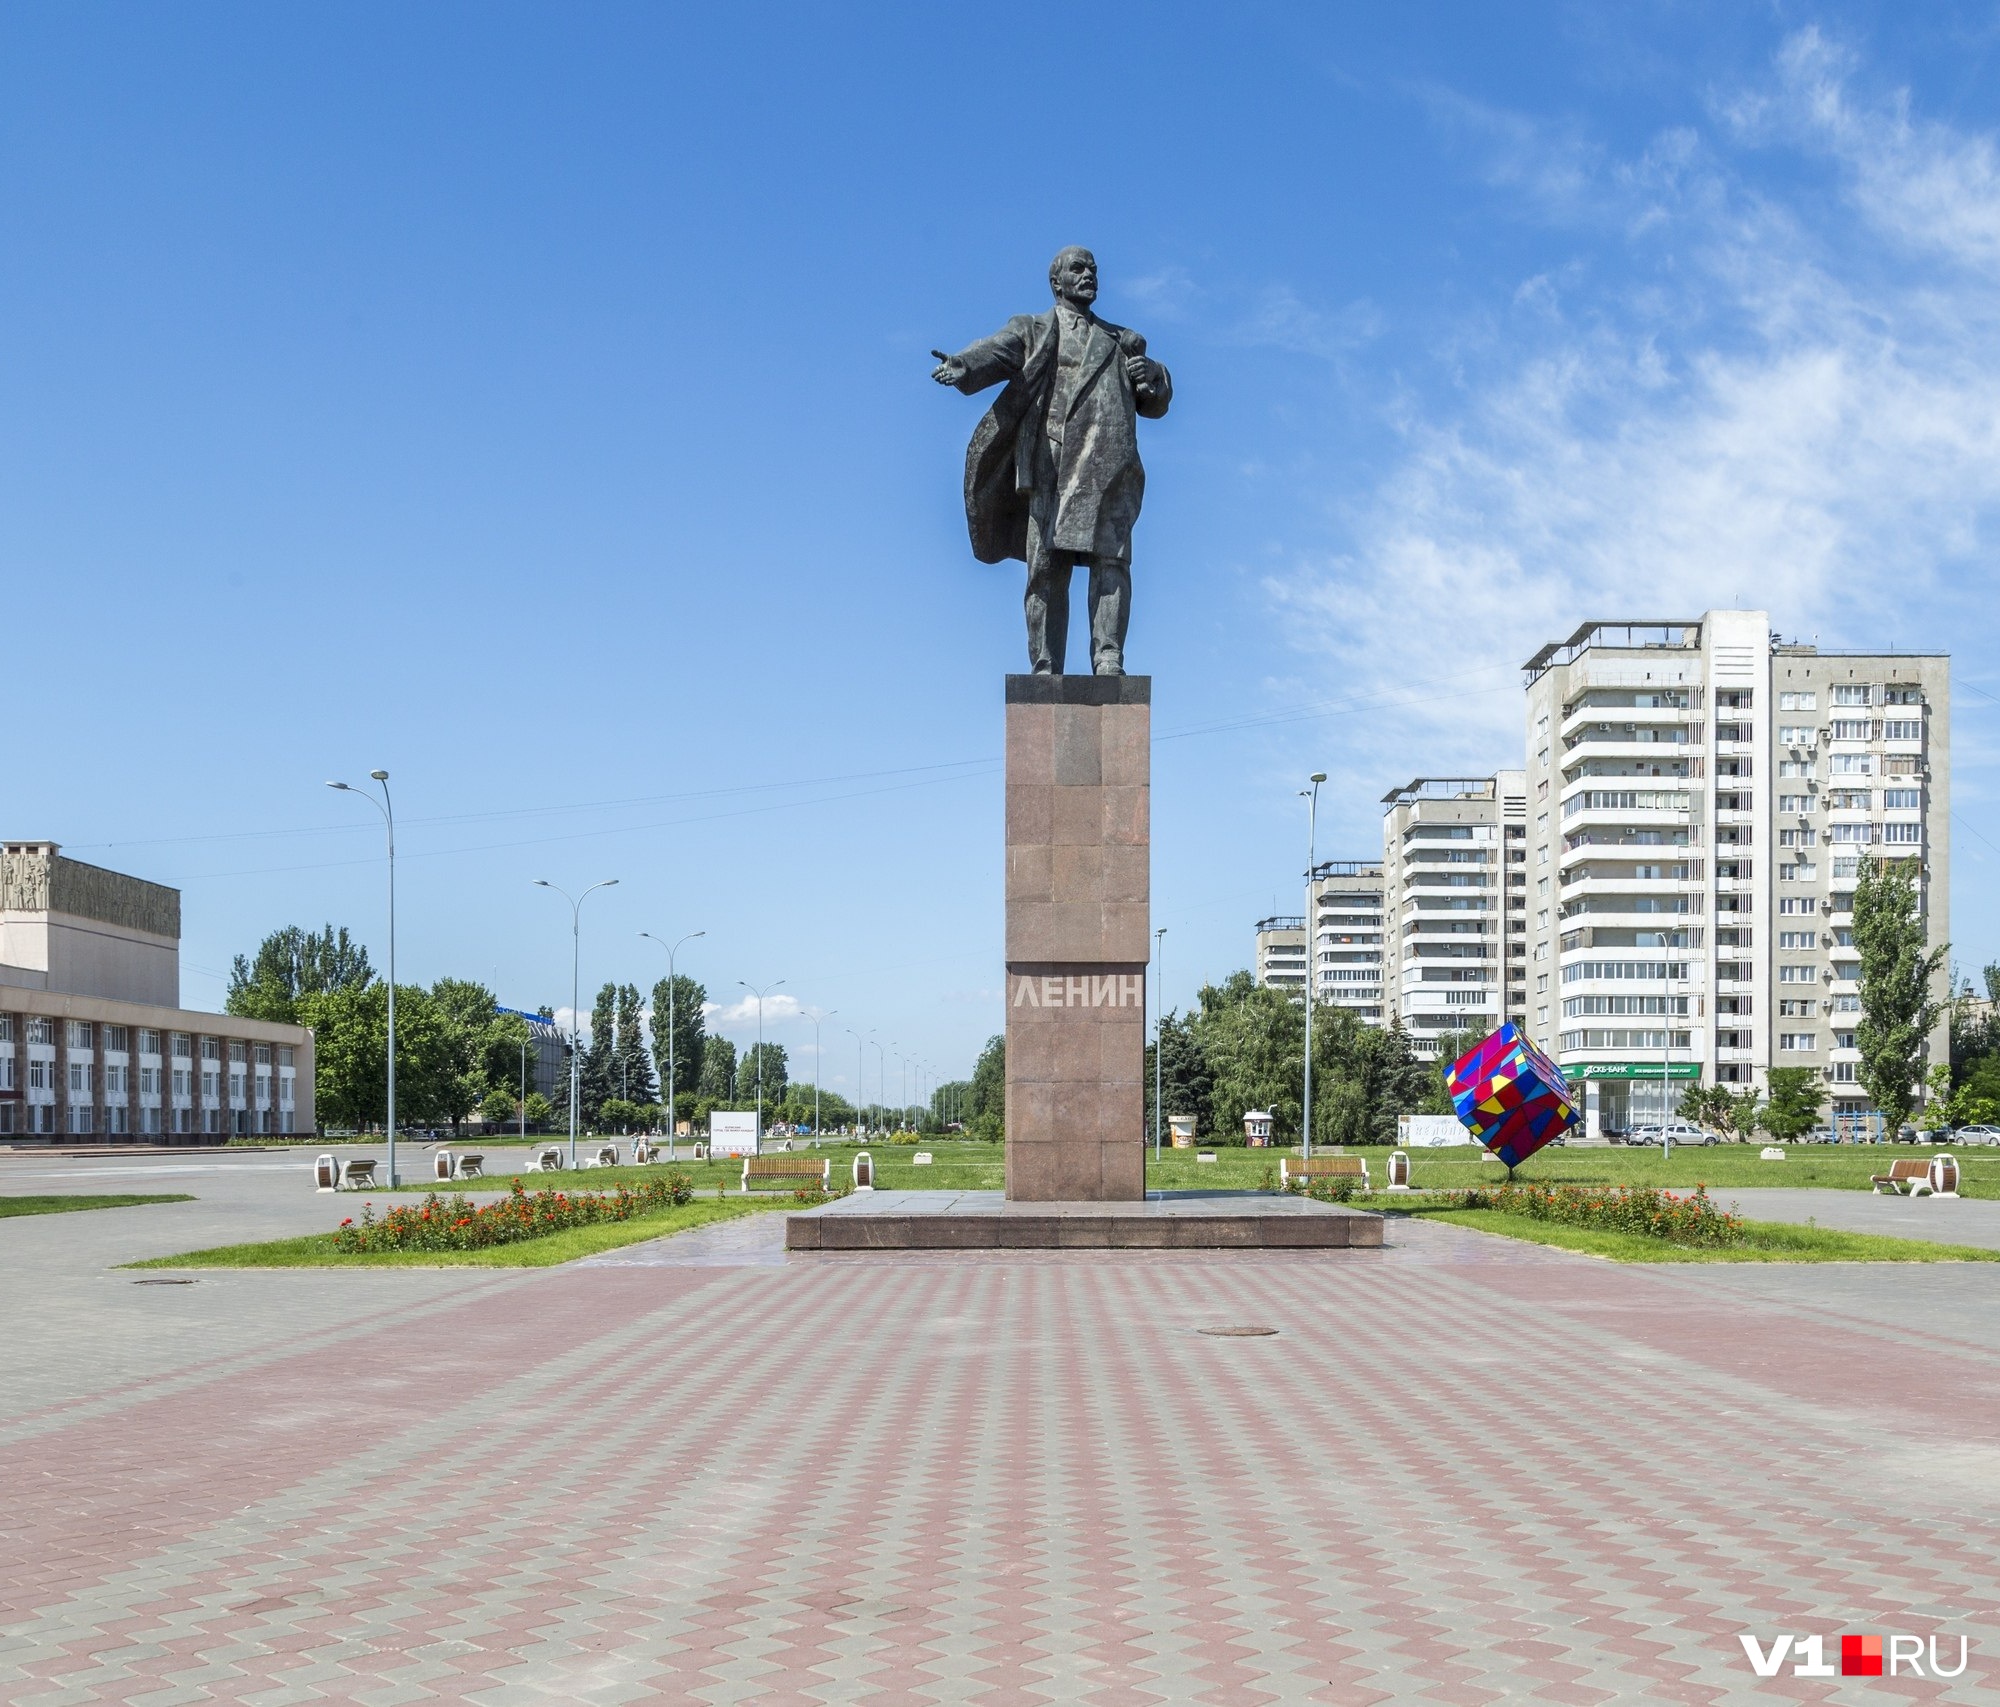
1047	606
1110	615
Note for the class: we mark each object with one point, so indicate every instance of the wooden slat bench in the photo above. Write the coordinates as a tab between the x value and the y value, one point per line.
1905	1174
786	1173
1309	1168
606	1157
470	1167
357	1173
546	1160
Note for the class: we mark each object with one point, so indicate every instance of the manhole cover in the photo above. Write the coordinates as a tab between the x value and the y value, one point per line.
1237	1333
190	1283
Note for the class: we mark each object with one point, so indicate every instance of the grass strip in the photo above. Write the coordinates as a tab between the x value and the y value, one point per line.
102	1200
1763	1241
316	1250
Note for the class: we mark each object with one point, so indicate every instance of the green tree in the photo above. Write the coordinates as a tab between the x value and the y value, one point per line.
684	1005
351	1053
498	1107
291	963
467	1017
1253	1041
1899	1005
771	1056
1798	1094
986	1102
539	1111
1708	1105
618	1114
717	1085
1186	1084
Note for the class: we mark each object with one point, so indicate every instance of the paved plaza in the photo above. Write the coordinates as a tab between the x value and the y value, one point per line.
1462	1470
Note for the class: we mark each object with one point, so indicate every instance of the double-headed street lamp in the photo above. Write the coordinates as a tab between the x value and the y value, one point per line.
1312	827
760	995
673	1116
860	1085
575	950
819	1063
388	812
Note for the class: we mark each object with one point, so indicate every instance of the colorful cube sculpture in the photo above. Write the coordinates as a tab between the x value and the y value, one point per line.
1511	1095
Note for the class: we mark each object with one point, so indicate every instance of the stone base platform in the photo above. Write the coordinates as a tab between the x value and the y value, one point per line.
1170	1221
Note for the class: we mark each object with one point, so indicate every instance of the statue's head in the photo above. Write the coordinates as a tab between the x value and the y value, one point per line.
1073	275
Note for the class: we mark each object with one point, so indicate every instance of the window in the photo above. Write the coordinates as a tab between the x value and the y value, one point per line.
7	1071
1797	734
1903	799
1577	1006
235	1087
236	1052
41	1075
1795	904
1847	1004
1794	767
149	1081
1733	699
116	1081
1907	835
41	1030
1542	758
1791	1007
1850	728
1843	1072
1795	803
1843	1040
183	1046
211	1083
1902	729
1798	974
1859	833
1796	939
1795	838
1848	865
149	1041
117	1039
263	1055
1644	971
284	1055
183	1082
79	1078
211	1050
1797	1041
1850	799
1902	693
1798	702
1853	764
1855	693
81	1034
1800	871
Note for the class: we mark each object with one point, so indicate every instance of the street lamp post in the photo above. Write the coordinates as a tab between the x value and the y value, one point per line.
575	953
818	1061
524	1090
760	995
860	1090
881	1074
673	1112
1159	1010
388	811
1312	829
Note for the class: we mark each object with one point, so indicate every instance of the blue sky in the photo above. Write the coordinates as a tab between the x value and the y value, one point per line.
532	400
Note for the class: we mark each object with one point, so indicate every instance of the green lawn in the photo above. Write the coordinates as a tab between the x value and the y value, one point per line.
1763	1241
963	1165
316	1249
106	1200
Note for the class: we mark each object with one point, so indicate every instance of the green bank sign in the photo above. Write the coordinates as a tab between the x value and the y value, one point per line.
1631	1070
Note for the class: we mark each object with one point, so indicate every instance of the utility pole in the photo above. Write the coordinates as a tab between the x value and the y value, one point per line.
1312	829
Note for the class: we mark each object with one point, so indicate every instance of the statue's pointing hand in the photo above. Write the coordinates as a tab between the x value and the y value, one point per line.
949	371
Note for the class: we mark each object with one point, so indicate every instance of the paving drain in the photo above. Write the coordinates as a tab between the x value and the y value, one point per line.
1237	1333
172	1283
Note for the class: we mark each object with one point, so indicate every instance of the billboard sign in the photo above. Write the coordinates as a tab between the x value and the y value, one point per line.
732	1132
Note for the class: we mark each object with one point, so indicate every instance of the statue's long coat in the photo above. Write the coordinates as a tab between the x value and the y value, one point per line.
1087	496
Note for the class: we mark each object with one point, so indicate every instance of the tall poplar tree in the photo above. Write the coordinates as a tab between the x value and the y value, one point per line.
1899	1001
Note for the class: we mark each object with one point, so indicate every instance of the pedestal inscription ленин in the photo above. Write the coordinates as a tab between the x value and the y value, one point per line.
1079	777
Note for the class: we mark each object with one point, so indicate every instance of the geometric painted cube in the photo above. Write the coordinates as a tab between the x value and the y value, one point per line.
1510	1094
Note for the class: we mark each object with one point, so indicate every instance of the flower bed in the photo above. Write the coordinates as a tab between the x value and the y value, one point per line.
451	1224
1644	1210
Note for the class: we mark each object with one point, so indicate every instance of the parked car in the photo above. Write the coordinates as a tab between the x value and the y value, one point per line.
1976	1134
1675	1132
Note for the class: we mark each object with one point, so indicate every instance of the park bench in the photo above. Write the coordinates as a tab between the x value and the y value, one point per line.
791	1172
545	1160
356	1174
606	1157
1310	1168
1905	1175
644	1152
469	1167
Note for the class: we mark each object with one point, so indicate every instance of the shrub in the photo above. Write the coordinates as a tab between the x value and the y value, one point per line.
452	1224
1647	1211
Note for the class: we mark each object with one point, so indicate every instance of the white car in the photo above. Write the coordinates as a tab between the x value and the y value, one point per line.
1675	1132
1976	1135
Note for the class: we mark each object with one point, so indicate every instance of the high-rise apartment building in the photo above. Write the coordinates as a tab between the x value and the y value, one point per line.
1454	904
1281	952
1700	796
1347	935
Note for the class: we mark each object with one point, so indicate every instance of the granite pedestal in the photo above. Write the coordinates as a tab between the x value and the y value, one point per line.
1168	1221
1079	774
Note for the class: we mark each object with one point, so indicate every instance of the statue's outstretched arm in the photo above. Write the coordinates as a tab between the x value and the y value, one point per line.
988	362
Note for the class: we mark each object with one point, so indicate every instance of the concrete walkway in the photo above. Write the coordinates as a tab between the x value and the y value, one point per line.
1463	1470
1951	1221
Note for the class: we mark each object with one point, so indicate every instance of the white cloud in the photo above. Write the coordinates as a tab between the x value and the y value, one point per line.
778	1008
1788	405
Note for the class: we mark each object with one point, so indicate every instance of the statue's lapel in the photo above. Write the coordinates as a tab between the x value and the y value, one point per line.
1101	348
